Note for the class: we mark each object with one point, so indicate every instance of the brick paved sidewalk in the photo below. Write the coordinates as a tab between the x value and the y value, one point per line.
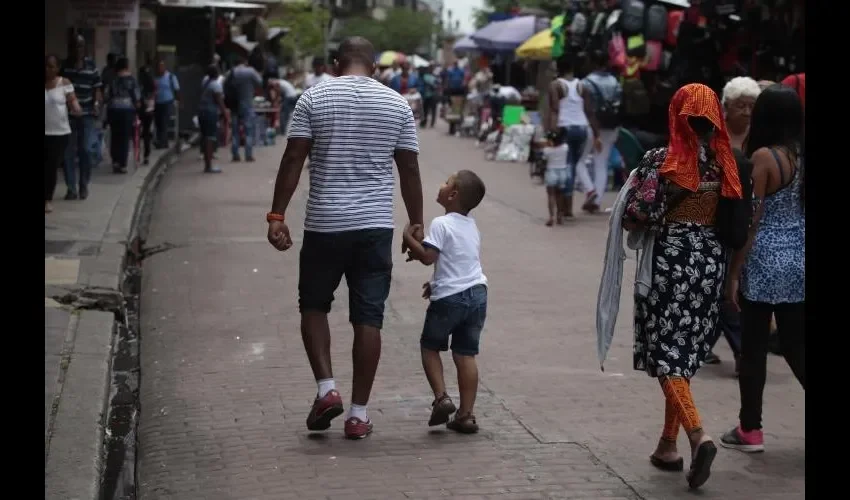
226	385
84	247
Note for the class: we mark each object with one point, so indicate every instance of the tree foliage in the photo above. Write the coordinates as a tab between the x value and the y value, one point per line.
307	27
402	30
551	7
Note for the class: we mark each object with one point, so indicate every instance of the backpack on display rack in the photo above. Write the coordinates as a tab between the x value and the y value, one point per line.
656	23
632	17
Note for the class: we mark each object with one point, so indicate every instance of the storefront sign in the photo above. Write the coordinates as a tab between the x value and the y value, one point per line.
109	14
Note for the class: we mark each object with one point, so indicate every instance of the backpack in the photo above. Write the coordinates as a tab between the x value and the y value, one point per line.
656	23
635	98
607	111
632	17
674	19
231	94
653	56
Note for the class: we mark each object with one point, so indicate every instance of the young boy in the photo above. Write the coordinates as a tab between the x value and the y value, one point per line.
458	294
557	177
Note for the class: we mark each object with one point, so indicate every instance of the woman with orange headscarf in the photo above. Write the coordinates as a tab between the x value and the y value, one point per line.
673	196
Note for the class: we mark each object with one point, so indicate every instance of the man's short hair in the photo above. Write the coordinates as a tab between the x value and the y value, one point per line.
470	189
356	50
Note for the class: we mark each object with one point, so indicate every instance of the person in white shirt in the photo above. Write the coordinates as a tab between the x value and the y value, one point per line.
458	295
288	98
318	75
58	97
557	177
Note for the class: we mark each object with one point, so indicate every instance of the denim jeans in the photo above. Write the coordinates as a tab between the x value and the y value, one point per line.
460	316
575	137
286	109
121	124
364	257
246	117
162	113
79	152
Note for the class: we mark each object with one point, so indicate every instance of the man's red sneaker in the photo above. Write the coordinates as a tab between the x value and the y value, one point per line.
357	429
324	410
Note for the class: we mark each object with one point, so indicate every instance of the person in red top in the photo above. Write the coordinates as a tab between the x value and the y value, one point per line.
798	83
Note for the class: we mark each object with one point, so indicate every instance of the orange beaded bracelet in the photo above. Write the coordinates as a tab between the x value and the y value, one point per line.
271	216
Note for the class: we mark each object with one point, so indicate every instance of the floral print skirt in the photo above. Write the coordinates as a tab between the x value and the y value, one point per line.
676	324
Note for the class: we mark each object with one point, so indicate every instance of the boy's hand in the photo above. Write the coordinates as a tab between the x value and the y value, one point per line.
415	231
426	291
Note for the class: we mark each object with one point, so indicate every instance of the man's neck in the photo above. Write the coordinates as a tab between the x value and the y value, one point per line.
356	70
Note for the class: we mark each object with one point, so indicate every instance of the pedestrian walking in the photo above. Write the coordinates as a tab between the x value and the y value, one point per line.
458	298
239	88
557	176
167	99
353	128
567	118
147	83
288	98
739	95
81	71
211	108
669	207
602	96
768	275
123	100
429	88
59	97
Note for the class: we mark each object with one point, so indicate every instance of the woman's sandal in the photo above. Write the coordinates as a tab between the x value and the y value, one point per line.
701	465
677	465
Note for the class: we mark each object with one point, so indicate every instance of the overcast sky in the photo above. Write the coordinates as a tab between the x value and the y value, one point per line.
462	11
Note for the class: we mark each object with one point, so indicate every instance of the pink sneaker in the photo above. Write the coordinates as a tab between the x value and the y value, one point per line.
741	440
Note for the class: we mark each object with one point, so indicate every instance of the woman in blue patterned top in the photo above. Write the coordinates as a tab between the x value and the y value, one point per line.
768	275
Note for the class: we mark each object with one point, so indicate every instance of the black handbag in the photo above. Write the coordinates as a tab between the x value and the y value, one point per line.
734	215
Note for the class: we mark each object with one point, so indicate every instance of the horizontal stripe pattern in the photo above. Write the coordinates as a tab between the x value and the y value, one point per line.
356	124
85	80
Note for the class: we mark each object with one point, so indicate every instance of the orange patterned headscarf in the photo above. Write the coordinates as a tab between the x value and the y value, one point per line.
681	165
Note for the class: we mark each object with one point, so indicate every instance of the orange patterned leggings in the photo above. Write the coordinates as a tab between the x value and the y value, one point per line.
679	409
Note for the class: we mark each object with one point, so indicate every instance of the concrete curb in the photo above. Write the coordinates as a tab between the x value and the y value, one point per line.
75	464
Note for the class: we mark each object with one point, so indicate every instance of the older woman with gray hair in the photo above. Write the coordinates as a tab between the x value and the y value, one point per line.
739	96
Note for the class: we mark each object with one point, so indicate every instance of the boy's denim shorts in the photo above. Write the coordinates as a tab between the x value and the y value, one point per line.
460	316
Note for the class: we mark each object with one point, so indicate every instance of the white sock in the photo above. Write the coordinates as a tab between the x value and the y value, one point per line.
326	385
357	411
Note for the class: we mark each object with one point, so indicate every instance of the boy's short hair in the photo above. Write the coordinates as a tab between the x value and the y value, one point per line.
470	189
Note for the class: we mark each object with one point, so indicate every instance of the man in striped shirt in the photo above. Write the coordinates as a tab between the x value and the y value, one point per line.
85	77
353	127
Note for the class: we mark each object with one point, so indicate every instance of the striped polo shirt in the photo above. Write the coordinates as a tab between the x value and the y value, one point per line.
356	124
85	79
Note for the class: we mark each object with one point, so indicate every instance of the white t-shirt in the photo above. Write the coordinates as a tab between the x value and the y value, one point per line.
556	157
458	267
287	89
56	110
313	80
356	125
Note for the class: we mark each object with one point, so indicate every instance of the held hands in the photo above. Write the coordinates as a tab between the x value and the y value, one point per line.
414	231
279	235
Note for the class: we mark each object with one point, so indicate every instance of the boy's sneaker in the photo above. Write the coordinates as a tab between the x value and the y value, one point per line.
465	424
741	440
357	429
324	410
442	410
